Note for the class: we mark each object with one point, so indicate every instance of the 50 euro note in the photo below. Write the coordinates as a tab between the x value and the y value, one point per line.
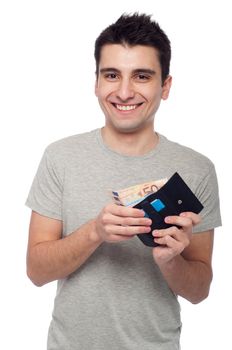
131	196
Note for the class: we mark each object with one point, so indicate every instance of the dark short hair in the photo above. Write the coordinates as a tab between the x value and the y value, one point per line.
136	29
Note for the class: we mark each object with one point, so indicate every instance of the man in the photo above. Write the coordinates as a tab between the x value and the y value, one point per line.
113	292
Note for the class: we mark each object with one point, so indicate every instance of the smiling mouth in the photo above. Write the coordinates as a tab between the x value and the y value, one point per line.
126	107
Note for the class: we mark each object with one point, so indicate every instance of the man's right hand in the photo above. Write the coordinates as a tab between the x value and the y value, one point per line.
117	223
51	256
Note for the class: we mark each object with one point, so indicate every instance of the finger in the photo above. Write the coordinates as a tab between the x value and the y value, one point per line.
196	218
109	218
173	231
120	210
182	221
127	230
171	243
118	238
168	241
130	221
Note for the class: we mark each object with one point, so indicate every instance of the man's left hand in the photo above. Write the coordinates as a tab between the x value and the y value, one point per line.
173	240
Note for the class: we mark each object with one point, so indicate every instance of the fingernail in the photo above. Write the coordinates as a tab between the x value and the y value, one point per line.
145	214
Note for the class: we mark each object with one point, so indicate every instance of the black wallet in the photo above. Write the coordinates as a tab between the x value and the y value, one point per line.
173	198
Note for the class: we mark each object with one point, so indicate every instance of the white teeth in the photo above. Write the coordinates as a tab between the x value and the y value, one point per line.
125	108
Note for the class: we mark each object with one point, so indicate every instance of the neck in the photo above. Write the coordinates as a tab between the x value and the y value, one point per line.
131	144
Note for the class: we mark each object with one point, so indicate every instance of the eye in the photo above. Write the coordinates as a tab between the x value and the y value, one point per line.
143	77
111	76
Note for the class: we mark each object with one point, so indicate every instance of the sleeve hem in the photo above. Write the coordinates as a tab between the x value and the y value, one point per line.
206	227
43	211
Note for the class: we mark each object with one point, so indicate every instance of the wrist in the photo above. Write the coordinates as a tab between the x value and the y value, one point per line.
168	264
93	235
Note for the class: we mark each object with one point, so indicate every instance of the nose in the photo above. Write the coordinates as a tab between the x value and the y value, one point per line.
125	90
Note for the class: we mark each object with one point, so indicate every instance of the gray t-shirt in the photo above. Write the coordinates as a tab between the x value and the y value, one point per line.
118	299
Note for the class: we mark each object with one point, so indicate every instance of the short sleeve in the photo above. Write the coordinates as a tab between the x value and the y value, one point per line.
208	194
45	196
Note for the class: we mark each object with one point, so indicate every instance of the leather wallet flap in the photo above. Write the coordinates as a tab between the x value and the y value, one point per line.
173	198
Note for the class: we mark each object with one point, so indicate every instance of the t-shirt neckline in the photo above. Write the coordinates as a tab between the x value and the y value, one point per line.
118	155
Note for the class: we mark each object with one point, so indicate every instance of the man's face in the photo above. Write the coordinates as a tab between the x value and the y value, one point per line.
129	86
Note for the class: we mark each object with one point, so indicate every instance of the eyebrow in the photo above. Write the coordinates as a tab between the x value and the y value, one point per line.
135	71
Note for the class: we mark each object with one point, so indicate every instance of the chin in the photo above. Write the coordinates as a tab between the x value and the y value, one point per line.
130	129
132	126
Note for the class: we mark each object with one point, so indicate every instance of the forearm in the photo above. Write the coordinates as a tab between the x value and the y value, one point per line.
189	279
53	260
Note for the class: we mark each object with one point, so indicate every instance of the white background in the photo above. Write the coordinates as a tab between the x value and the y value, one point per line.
46	93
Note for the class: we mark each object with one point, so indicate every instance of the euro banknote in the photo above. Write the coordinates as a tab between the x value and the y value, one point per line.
130	196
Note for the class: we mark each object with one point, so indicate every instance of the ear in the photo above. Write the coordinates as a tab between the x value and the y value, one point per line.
96	87
166	87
